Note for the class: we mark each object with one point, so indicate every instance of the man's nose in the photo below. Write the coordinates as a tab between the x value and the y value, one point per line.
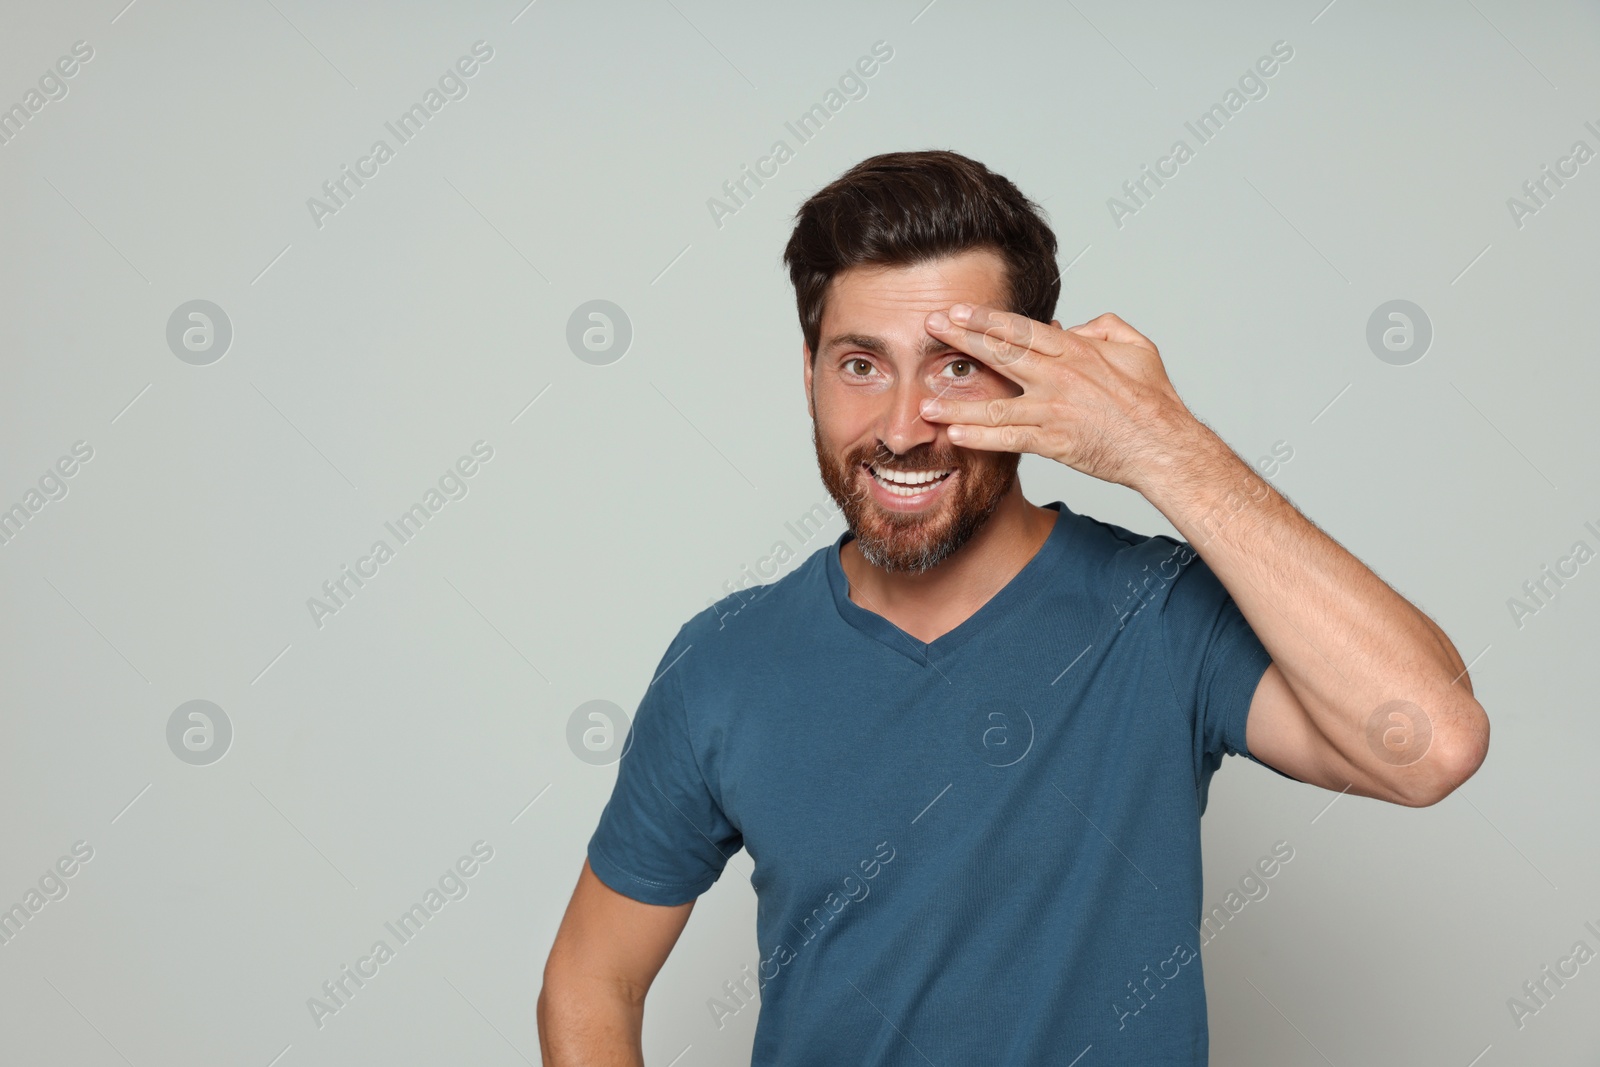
904	428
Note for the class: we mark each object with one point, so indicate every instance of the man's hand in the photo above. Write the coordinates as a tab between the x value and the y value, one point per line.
1346	648
1095	397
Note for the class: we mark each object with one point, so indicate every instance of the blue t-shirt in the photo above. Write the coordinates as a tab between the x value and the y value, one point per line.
980	850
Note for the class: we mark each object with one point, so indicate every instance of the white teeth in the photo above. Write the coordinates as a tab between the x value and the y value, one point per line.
906	483
907	477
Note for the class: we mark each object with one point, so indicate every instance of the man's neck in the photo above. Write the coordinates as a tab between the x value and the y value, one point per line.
931	604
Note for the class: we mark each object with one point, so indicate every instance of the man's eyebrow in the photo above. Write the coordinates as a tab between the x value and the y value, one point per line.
931	345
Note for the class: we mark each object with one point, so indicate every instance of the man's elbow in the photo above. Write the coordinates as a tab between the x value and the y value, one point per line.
582	1019
1455	755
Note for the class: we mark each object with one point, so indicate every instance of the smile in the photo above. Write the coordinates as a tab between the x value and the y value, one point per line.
908	484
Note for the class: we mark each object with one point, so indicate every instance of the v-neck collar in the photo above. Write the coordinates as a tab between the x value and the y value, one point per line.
1013	595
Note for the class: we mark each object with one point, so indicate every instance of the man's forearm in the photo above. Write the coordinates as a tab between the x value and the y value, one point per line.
1347	644
589	1027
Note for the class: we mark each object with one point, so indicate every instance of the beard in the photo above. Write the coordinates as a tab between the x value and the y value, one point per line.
914	542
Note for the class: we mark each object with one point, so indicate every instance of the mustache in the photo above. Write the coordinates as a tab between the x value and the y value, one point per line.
925	460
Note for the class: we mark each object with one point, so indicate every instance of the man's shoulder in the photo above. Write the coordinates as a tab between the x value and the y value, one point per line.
1113	552
1143	575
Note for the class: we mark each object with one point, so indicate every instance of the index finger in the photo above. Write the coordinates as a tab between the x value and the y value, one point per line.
1000	339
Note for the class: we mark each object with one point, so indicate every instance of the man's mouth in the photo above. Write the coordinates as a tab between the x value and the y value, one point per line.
906	483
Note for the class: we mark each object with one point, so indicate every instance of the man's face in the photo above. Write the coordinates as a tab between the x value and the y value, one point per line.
875	366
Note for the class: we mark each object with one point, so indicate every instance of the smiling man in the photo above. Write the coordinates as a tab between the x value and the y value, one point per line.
968	745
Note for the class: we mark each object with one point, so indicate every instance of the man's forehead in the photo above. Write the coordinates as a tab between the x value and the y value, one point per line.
867	290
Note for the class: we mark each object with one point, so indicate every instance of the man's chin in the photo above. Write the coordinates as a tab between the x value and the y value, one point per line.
909	541
912	541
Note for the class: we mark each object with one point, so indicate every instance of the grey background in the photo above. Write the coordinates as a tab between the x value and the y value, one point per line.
432	711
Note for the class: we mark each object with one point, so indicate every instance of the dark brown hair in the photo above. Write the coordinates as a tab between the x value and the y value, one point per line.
900	209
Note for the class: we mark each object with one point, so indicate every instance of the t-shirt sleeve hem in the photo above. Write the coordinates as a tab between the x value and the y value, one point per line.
1239	703
644	890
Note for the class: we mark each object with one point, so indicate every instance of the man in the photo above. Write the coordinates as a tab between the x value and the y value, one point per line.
968	745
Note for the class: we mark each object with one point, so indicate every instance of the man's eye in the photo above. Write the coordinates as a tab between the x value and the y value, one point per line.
854	363
971	367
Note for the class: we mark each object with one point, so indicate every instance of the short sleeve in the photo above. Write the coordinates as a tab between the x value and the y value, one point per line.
662	837
1214	659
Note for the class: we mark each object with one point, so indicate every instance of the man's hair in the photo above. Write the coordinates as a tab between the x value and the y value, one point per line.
900	209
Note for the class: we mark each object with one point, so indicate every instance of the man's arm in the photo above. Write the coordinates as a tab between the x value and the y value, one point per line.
606	953
1362	693
1365	693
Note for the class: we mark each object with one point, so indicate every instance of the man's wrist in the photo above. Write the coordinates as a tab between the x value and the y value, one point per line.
1189	469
